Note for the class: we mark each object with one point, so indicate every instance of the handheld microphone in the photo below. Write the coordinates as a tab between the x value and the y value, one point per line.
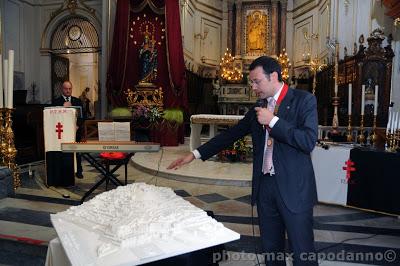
261	103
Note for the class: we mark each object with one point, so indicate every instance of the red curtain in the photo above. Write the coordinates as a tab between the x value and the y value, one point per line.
123	71
118	59
175	52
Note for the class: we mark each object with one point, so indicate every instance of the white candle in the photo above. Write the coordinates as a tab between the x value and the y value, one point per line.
10	78
398	123
1	81
362	99
389	123
5	83
336	89
395	121
350	96
376	100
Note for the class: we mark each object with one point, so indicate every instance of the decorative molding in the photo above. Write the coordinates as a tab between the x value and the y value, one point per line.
72	6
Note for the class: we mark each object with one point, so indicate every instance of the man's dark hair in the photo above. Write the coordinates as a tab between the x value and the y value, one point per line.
268	64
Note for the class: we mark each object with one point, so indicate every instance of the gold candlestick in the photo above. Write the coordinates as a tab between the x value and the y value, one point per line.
2	143
392	141
349	135
361	137
335	119
374	136
388	140
8	149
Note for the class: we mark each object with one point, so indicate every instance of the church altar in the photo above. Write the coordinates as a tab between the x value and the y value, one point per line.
197	122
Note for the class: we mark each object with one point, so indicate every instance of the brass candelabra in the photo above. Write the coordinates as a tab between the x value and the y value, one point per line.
393	140
2	142
335	119
361	137
349	133
374	136
8	150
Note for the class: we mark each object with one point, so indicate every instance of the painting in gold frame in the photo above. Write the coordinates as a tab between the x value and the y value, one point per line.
256	32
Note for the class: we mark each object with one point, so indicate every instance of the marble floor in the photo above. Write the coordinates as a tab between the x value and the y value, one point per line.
343	236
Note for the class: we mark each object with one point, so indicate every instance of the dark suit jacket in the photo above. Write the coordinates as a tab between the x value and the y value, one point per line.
295	135
75	102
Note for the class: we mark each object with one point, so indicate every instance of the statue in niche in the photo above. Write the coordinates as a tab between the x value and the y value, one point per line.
148	60
256	33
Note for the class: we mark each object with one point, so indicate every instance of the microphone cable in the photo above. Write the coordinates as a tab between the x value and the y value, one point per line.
155	175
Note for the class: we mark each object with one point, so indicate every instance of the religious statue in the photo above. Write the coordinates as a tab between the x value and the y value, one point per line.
256	32
86	103
148	61
216	86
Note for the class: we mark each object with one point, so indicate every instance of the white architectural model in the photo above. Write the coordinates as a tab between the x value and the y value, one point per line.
138	214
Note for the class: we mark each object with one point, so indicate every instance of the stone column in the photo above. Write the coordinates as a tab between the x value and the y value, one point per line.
230	25
274	28
238	29
283	25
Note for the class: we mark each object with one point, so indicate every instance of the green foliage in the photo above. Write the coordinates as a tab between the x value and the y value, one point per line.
121	112
173	115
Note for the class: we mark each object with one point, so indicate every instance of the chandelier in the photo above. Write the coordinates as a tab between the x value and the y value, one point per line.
228	70
285	64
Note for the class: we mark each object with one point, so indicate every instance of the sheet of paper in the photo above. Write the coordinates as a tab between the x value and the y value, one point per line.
122	131
106	131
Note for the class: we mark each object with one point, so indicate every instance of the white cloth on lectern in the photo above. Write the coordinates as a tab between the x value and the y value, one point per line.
59	126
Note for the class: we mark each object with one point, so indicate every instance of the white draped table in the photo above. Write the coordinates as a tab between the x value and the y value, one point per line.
197	122
329	174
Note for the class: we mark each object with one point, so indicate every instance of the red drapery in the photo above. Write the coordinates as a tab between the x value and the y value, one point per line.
123	70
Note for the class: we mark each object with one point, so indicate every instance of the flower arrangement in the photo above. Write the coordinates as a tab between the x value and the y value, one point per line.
237	152
143	113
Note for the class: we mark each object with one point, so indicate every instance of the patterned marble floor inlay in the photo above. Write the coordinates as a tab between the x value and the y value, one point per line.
211	198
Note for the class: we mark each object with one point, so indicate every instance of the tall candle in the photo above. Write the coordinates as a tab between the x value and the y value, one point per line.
376	100
5	83
336	89
350	96
389	123
395	121
398	123
1	81
362	99
10	78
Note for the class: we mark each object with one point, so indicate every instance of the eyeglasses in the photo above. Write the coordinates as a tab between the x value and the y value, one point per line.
258	81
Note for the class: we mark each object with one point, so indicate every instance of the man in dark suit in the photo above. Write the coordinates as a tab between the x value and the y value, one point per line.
284	133
66	100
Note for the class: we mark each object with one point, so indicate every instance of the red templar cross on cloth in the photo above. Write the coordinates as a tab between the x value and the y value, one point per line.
349	168
59	127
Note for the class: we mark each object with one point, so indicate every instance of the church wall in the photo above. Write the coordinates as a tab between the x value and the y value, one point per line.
305	31
289	33
202	23
13	31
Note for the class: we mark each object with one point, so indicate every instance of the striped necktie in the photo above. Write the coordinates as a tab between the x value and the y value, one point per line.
268	165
